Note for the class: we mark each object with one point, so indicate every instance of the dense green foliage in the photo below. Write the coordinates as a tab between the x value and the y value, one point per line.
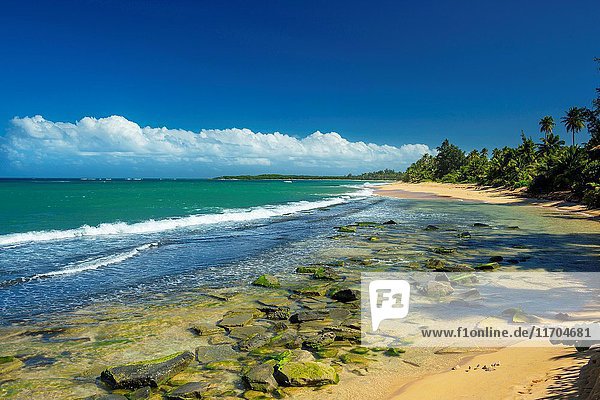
544	167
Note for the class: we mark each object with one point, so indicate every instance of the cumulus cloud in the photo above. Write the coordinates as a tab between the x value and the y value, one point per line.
114	144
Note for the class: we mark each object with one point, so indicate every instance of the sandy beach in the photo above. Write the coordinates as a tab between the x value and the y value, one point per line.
430	190
524	373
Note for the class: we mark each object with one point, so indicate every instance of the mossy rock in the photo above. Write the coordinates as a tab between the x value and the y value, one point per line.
224	365
443	250
351	358
308	373
188	391
347	229
431	228
330	352
311	291
394	352
374	239
434	263
326	273
360	350
267	280
146	373
306	270
487	266
9	364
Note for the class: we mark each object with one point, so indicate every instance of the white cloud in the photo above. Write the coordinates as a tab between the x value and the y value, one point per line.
36	144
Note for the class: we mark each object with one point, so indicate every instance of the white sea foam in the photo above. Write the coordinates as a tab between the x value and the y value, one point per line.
154	226
95	263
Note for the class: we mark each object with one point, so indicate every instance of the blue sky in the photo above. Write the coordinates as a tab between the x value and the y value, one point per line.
383	73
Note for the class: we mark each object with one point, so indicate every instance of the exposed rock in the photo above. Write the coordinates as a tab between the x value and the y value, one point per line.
346	295
9	363
147	373
234	319
512	227
326	273
434	263
347	229
266	280
225	365
344	333
431	228
111	396
243	332
496	259
279	326
220	339
464	235
480	225
589	379
204	329
339	314
208	354
261	378
311	291
329	352
254	342
304	316
276	313
189	391
319	341
308	373
390	222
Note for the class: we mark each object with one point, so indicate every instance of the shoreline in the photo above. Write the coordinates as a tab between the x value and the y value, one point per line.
474	193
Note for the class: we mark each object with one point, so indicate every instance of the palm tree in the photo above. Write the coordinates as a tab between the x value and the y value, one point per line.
547	125
549	144
574	121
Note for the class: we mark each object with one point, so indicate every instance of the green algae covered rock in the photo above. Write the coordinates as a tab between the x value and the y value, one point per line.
394	352
487	267
309	373
9	363
267	280
326	273
347	229
306	270
146	373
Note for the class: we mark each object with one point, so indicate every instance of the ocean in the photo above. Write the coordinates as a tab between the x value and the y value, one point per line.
65	244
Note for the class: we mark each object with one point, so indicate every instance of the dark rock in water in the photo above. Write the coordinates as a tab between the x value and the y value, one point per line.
310	373
276	313
304	316
434	263
236	319
496	259
254	342
346	295
390	222
513	261
431	228
344	333
208	354
513	227
326	273
203	329
147	373
487	267
306	270
480	225
319	341
261	377
464	235
140	394
443	250
266	280
189	391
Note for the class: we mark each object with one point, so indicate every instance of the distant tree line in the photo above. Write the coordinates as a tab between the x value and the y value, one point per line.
543	167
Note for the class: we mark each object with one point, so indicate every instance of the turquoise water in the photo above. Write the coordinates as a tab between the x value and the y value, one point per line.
31	205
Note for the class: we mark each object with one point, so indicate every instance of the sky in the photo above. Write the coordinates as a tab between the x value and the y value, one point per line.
200	89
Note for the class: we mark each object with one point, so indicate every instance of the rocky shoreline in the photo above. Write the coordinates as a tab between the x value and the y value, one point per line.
279	336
